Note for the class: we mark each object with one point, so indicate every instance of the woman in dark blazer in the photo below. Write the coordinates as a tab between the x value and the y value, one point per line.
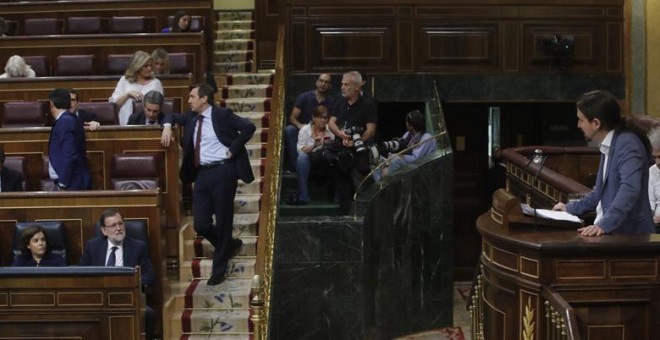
34	250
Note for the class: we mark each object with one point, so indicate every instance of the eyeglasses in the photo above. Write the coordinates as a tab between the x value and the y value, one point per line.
115	226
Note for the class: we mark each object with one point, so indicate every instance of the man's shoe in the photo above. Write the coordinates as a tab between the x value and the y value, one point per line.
215	280
236	244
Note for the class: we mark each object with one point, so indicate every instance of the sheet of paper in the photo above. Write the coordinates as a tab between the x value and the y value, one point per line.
550	214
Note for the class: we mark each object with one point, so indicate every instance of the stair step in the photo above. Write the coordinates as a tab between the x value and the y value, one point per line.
233	56
259	119
234	44
247	104
245	204
265	77
253	188
232	293
235	15
234	34
240	267
220	322
311	209
246	91
236	25
203	248
237	67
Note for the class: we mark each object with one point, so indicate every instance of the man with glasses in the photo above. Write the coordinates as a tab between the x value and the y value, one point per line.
114	248
301	114
311	140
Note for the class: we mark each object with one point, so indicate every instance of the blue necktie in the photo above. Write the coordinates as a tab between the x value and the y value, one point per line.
112	258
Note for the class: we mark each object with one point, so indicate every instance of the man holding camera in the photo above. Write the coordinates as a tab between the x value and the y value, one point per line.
353	121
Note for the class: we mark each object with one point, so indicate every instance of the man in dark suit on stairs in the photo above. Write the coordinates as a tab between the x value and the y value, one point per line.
10	179
215	158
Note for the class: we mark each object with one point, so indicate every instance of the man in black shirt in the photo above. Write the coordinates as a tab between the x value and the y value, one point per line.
352	115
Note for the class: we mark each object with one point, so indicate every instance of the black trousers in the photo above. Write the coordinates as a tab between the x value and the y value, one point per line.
213	195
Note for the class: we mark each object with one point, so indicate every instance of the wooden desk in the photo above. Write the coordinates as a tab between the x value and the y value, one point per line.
95	303
93	88
102	45
611	283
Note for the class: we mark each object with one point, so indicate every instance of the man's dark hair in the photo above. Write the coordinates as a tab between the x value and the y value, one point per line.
417	120
603	105
205	90
154	97
108	213
74	91
61	98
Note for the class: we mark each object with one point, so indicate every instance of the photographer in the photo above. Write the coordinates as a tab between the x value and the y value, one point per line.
311	140
416	134
353	122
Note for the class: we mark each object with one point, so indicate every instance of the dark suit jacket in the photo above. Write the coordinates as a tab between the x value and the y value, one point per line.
232	131
624	190
11	179
135	254
67	151
86	116
138	118
49	260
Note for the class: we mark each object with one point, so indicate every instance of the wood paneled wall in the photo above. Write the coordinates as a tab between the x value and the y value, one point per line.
477	36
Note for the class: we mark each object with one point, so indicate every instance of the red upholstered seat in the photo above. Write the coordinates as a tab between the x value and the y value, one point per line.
75	65
24	114
39	64
127	25
137	171
181	63
84	25
106	112
118	63
19	164
42	26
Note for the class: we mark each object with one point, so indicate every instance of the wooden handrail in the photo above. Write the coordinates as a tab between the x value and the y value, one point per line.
270	194
555	303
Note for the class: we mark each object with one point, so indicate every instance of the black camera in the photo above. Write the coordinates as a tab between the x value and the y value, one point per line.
356	136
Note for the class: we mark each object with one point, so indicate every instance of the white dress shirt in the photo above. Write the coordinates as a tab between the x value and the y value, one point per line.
119	254
605	150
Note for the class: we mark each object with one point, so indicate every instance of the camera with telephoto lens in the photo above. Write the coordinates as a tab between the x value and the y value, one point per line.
356	136
393	146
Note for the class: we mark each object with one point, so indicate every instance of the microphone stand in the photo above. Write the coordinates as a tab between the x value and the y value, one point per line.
534	180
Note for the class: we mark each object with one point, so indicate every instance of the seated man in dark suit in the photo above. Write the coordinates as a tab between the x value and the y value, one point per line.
87	118
117	249
10	179
151	115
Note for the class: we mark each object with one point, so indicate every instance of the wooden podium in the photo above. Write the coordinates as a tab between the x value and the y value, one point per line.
538	281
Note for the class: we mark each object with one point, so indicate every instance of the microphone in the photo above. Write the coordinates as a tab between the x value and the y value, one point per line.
538	159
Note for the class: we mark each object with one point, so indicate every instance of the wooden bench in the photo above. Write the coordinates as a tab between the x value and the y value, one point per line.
70	302
92	88
102	45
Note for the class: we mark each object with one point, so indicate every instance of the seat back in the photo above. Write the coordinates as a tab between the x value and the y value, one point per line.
118	63
84	25
19	164
106	112
181	63
42	26
24	114
136	229
39	64
128	25
196	23
137	171
170	105
55	235
46	183
75	65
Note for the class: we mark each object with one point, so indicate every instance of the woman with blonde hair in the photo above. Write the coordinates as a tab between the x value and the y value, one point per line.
17	68
134	84
161	61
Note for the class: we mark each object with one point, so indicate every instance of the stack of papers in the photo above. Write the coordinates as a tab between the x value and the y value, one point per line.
549	214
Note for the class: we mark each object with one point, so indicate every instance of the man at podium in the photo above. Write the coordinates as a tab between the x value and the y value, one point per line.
620	196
